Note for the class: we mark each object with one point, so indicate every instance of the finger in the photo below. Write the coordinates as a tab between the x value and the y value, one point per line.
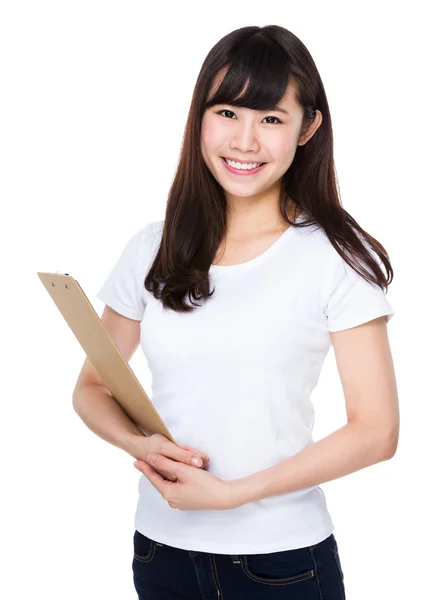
166	476
155	478
161	462
163	465
205	458
180	455
195	451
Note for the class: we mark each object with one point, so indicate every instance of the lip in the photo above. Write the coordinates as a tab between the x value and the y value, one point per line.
240	171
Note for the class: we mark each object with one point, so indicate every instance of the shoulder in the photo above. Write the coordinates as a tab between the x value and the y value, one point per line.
323	255
147	237
150	231
142	245
319	252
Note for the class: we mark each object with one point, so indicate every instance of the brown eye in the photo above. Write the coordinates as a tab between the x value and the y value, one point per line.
274	118
224	110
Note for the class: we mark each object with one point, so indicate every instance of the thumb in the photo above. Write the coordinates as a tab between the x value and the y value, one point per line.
164	463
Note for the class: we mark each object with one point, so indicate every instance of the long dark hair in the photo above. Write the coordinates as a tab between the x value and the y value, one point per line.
268	58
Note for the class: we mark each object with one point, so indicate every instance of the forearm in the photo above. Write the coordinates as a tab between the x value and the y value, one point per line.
348	449
102	414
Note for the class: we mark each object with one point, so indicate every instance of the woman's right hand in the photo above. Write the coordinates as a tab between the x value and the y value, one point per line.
160	444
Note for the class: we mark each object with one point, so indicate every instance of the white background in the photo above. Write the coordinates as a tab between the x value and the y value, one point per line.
94	100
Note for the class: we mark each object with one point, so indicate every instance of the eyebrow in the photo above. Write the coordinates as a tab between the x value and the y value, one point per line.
277	109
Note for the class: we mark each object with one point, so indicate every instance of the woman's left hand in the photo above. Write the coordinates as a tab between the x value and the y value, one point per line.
195	489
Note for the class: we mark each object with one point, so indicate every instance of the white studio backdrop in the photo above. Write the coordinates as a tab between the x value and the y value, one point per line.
94	100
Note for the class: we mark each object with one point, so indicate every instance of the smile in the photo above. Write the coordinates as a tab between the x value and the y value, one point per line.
241	171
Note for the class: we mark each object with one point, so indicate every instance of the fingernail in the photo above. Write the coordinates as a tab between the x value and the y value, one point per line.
197	461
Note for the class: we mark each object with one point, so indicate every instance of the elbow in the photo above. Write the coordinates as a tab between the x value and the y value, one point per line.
390	444
74	400
382	440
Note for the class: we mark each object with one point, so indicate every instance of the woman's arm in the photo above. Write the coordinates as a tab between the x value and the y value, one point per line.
371	434
350	448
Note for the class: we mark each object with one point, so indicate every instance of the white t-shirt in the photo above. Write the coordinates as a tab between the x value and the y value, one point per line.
233	378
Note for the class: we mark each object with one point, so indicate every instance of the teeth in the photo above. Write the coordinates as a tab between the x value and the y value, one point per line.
242	166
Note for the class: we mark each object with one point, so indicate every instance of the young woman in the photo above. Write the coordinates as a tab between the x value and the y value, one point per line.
237	296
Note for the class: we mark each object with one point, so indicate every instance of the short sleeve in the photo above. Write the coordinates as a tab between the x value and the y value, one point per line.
123	290
351	300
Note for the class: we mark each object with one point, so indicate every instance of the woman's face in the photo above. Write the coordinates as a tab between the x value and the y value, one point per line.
251	136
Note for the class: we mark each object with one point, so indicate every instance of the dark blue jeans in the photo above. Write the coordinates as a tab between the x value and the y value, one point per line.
162	572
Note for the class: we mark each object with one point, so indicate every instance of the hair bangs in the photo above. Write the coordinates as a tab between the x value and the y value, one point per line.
257	77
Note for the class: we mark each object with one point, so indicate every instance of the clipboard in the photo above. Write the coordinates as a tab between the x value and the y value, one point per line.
103	352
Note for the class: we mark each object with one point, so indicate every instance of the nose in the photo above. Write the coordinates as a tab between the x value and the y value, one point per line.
245	139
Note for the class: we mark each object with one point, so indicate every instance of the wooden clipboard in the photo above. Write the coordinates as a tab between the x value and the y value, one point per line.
103	352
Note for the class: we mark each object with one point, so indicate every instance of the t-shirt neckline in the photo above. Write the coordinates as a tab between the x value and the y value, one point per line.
272	249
